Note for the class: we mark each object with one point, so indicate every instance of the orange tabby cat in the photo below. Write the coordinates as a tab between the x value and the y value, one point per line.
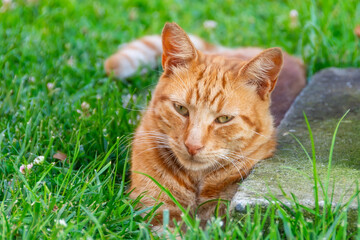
209	121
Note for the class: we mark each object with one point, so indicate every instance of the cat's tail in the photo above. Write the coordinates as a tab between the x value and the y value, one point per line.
143	53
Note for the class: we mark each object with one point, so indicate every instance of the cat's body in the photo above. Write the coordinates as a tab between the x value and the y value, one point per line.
209	119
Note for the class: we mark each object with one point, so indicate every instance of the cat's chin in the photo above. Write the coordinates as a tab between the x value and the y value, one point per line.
193	163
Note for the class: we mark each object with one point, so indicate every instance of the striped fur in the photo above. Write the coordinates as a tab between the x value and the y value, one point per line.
143	53
180	141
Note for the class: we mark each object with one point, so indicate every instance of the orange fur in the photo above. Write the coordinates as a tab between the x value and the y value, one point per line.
180	141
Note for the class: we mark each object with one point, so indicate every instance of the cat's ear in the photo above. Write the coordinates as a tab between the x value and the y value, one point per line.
178	50
263	70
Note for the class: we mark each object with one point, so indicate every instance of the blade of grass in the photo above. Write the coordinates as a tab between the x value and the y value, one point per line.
332	150
315	174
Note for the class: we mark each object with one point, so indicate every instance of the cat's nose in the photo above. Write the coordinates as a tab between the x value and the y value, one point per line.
193	148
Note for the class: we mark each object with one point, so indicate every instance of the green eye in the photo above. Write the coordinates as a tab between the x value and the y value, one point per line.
224	119
181	110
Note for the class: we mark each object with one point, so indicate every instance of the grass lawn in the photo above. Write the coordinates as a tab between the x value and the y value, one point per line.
55	97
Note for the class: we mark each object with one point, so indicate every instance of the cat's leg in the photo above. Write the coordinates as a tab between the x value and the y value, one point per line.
218	189
157	221
215	206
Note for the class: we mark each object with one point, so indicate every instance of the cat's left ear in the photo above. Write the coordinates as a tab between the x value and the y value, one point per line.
178	50
263	70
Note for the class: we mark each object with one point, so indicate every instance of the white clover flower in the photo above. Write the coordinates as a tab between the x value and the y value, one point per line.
210	24
294	18
61	222
85	106
294	13
50	86
39	160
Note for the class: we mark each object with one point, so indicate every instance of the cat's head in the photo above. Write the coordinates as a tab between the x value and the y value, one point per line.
213	109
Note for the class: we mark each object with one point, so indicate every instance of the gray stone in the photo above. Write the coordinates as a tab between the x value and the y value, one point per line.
327	97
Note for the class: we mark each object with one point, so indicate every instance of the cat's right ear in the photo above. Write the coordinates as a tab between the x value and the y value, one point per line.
178	50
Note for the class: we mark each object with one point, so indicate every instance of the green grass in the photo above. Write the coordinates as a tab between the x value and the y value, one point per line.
65	43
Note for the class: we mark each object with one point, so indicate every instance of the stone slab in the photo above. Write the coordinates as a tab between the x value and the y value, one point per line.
330	93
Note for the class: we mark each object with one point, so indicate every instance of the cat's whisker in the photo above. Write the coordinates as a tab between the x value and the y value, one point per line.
170	156
246	164
243	156
236	158
151	132
214	156
266	136
148	149
216	161
134	110
150	135
150	140
226	158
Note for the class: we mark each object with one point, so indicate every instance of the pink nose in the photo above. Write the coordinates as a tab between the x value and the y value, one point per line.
193	148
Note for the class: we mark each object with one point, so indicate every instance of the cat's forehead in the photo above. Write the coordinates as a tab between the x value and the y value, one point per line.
209	87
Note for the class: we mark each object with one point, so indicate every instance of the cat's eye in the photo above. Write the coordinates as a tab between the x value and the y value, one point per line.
181	110
224	119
